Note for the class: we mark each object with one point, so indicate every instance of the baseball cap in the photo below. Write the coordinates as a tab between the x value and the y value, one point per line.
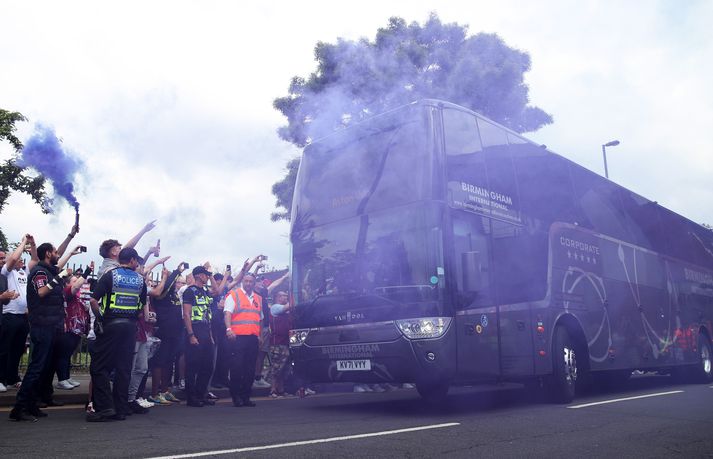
200	270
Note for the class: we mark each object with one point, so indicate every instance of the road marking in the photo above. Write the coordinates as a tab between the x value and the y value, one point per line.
311	442
585	405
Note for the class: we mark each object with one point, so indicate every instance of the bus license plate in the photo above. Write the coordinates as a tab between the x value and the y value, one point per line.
353	365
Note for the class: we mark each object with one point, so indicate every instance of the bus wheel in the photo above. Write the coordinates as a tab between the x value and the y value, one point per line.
433	392
563	381
703	372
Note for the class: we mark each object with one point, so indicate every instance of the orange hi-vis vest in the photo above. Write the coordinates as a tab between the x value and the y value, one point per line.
245	319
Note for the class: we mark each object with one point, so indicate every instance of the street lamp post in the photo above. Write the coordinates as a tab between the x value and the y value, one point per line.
613	143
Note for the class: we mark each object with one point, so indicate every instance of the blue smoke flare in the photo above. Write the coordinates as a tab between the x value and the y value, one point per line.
45	153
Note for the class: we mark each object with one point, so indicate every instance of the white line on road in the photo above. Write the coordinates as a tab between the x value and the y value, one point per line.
585	405
311	442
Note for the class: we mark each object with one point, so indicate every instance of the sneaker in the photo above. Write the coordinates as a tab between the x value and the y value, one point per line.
89	408
276	395
66	385
20	415
2	387
145	403
408	386
136	408
362	388
36	412
158	400
377	388
170	397
261	384
74	382
309	391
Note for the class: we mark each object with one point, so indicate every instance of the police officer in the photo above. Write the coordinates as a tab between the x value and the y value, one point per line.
118	297
45	304
199	349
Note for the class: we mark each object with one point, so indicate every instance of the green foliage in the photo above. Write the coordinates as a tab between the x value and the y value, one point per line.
12	176
284	190
404	63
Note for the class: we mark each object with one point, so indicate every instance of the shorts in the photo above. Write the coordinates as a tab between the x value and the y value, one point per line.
279	356
264	339
167	351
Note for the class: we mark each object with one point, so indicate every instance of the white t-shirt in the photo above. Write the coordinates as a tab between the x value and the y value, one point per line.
17	281
181	291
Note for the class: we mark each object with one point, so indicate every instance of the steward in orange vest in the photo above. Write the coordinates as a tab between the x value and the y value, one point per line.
242	321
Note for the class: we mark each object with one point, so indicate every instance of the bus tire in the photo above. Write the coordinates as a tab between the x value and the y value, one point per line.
433	392
703	371
563	381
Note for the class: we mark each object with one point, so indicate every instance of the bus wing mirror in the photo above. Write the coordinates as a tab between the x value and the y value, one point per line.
472	272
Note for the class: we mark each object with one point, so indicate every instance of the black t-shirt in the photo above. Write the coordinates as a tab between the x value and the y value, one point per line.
168	307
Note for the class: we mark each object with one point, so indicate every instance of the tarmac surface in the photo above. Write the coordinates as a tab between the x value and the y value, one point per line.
650	417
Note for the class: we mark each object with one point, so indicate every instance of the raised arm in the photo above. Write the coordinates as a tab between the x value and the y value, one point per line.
63	261
79	281
15	256
135	240
273	286
63	246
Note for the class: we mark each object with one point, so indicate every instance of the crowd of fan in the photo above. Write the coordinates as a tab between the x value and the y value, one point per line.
188	329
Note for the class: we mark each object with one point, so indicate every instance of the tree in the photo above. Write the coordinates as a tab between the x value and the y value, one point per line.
12	176
404	63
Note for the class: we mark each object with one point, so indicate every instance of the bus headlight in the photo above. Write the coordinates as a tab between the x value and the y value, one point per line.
427	327
298	336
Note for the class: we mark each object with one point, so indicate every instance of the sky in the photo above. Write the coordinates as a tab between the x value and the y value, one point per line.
168	104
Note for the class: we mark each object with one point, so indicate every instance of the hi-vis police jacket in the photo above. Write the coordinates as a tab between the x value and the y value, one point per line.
200	301
121	293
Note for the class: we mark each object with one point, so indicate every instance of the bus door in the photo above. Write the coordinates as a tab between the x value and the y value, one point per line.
476	315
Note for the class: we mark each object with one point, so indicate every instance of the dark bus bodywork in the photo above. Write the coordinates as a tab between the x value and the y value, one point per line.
431	245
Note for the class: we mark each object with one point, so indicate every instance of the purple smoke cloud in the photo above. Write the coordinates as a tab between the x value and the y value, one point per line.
45	153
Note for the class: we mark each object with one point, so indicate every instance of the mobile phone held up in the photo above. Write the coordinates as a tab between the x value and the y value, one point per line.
227	268
82	248
186	265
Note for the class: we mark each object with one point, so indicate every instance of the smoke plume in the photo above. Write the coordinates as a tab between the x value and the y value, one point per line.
45	153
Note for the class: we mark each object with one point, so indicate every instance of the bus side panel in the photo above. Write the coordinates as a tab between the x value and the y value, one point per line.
478	347
516	351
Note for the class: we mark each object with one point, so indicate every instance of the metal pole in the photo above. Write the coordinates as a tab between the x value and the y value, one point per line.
604	154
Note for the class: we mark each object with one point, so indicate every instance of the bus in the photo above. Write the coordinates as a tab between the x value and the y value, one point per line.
431	245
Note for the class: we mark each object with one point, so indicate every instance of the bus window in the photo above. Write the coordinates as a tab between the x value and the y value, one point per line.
545	187
471	240
599	204
461	133
491	135
642	217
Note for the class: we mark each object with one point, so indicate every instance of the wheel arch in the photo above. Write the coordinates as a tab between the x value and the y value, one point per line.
576	332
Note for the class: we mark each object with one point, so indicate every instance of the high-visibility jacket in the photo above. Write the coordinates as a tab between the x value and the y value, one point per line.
245	319
124	299
200	304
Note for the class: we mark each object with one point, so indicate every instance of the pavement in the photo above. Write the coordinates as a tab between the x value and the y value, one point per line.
80	395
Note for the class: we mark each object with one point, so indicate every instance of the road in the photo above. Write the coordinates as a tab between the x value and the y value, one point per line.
651	418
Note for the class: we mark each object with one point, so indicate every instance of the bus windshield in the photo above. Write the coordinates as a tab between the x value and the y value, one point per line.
375	165
382	266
